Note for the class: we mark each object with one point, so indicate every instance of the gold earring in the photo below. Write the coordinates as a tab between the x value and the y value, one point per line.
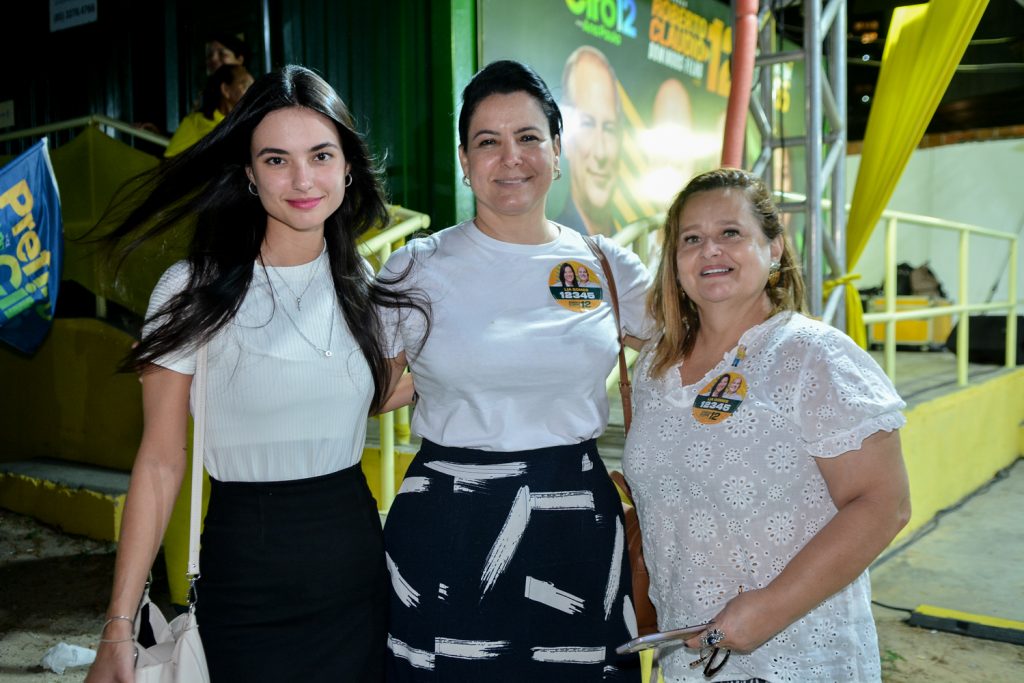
774	272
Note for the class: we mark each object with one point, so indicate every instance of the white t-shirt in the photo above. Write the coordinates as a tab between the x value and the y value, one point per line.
514	361
729	504
277	409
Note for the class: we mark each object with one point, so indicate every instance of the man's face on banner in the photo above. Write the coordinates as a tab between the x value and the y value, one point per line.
593	145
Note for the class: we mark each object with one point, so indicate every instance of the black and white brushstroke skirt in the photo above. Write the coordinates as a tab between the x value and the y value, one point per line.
508	567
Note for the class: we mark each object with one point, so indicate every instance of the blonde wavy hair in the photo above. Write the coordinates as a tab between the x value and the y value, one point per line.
672	311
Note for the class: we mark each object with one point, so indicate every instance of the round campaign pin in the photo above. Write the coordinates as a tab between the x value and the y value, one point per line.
575	286
720	399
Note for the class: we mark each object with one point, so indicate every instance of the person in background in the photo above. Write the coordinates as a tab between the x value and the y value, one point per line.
593	140
761	520
505	542
224	89
293	583
224	48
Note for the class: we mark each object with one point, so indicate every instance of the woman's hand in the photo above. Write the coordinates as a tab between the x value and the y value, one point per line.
402	391
746	622
115	661
872	496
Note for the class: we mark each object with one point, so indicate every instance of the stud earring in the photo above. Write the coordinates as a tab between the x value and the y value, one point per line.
465	181
252	189
774	271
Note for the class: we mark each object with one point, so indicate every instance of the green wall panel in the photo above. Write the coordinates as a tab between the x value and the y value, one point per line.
399	66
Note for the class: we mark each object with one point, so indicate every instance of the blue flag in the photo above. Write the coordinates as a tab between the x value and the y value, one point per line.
31	248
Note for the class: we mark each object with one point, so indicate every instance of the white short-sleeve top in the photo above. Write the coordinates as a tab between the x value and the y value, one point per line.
278	409
728	504
514	360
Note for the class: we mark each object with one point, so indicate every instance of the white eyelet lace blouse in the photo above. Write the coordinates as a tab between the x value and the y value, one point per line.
729	504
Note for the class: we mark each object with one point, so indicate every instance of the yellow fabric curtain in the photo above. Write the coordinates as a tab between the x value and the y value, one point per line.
924	46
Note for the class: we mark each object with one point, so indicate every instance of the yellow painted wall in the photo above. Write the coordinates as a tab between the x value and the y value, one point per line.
955	443
77	511
68	400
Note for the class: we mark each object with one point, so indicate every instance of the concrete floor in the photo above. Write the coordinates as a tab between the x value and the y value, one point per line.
969	559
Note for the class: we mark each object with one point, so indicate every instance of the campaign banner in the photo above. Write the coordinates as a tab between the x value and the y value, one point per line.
643	87
31	248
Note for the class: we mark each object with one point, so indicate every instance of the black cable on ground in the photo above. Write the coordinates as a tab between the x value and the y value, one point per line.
892	607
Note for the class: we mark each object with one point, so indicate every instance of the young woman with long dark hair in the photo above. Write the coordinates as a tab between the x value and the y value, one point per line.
293	583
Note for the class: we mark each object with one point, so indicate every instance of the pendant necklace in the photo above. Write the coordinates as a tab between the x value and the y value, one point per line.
325	352
298	297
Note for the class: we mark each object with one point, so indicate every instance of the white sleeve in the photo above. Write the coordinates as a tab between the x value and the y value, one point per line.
171	283
842	396
632	281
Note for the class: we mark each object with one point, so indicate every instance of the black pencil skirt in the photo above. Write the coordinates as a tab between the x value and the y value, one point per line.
508	567
293	584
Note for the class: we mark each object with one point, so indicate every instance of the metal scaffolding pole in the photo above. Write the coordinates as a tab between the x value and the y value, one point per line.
824	138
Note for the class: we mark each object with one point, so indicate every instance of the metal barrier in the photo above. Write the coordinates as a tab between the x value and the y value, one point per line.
891	316
28	135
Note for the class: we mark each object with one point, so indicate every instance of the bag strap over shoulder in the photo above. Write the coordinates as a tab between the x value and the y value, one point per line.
625	388
198	444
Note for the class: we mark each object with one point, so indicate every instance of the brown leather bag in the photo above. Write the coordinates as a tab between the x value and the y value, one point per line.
646	617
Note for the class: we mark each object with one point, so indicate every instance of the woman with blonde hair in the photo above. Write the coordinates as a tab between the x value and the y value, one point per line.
761	512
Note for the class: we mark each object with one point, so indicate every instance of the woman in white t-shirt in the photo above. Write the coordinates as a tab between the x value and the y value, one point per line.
761	505
293	581
505	541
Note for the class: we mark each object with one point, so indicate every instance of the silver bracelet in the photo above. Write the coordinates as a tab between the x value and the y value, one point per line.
112	619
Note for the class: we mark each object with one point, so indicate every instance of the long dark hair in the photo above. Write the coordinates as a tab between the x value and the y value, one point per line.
207	183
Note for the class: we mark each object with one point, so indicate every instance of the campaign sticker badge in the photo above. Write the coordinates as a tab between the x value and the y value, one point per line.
575	286
720	399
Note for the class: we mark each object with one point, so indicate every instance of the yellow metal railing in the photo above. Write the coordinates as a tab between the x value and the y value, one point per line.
394	426
891	316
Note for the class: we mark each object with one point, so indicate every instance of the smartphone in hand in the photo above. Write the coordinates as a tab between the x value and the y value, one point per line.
660	638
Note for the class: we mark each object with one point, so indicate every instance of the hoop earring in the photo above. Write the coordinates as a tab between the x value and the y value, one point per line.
774	273
252	189
465	181
349	181
558	173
